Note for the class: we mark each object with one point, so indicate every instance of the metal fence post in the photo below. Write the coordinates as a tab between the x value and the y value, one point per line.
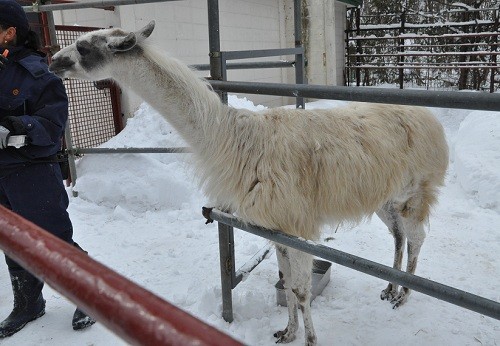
227	264
402	49
216	69
299	58
226	233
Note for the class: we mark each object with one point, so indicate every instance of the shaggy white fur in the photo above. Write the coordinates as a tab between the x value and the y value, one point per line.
292	170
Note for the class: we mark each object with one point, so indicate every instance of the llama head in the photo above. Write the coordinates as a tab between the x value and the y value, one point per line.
92	54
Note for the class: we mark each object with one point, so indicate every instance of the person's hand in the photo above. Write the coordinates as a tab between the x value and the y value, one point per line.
14	124
4	137
3	62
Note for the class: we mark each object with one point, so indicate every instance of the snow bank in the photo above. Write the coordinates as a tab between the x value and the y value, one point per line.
242	102
154	181
477	157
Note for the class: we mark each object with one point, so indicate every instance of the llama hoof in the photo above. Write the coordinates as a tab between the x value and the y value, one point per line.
388	294
311	341
399	300
284	337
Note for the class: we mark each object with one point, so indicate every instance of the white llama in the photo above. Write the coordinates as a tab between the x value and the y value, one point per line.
286	169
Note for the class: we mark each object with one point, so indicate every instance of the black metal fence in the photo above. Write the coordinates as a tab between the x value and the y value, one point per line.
448	50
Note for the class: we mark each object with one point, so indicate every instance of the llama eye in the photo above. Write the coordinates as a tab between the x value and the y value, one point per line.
82	49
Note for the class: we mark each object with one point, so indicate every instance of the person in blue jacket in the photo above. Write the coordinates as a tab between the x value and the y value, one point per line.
33	102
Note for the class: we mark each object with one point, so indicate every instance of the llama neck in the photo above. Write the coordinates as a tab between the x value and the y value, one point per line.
175	92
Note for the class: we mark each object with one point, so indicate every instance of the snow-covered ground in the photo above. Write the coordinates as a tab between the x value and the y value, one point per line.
140	214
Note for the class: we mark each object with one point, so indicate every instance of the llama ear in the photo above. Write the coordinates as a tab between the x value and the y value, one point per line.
121	44
146	31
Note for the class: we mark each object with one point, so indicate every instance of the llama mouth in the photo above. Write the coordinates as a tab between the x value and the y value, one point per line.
58	72
60	67
57	69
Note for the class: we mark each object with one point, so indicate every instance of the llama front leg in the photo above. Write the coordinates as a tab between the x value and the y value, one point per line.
416	236
393	222
391	291
298	291
288	334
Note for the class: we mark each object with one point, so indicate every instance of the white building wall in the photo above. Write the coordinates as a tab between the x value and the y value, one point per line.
339	36
182	30
323	38
323	28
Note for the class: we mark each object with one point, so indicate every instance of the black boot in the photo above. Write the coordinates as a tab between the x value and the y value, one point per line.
81	320
28	302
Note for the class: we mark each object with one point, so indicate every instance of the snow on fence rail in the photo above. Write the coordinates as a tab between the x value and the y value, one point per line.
133	313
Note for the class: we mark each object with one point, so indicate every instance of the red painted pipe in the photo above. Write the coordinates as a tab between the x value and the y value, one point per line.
131	312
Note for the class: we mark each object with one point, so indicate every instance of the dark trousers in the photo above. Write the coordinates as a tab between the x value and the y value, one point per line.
36	192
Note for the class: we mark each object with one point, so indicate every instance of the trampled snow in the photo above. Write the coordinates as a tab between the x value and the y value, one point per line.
140	214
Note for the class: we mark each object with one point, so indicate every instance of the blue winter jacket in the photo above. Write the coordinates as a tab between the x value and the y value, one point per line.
29	91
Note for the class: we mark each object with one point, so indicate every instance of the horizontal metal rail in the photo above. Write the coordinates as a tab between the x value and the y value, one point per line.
439	99
248	65
133	313
434	289
248	54
424	54
424	67
247	268
464	9
423	37
476	63
80	151
86	4
448	45
369	27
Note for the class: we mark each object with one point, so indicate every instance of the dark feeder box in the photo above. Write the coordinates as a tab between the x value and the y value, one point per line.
320	278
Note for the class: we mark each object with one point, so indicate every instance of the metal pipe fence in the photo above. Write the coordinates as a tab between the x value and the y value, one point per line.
439	99
248	65
135	314
36	7
229	278
434	289
443	99
81	151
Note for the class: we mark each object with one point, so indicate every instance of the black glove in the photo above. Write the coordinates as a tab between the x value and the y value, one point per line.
3	62
4	137
14	124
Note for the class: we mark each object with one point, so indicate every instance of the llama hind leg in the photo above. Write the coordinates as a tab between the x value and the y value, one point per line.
393	222
416	235
301	265
288	334
413	214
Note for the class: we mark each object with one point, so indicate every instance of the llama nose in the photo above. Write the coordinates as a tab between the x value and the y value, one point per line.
60	64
